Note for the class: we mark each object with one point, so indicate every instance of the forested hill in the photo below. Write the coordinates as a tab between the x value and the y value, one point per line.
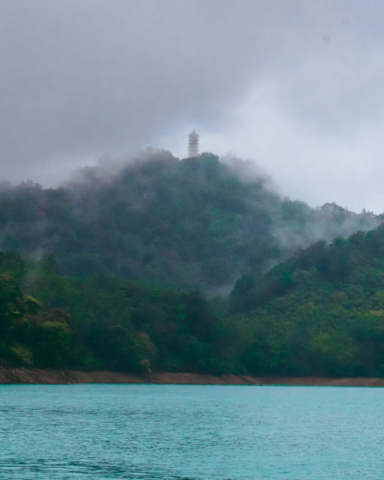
194	223
321	312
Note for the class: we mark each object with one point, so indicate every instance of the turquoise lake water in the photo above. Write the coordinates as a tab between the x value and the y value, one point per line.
190	432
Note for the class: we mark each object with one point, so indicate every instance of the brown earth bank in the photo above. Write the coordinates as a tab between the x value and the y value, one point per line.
64	377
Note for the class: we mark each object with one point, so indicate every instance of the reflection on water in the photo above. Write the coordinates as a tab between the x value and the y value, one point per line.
190	432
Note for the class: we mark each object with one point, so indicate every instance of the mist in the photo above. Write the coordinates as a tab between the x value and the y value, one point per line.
295	87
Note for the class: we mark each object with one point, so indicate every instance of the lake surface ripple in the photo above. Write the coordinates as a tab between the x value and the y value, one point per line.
180	432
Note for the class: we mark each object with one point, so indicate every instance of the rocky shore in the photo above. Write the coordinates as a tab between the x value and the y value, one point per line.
63	377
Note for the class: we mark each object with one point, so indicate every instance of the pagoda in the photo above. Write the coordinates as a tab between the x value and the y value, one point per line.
193	144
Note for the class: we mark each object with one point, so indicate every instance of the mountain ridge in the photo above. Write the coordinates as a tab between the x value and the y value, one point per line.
192	223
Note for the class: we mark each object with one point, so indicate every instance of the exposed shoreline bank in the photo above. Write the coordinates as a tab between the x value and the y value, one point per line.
37	376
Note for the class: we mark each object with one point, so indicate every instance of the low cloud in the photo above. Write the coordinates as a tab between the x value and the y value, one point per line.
296	86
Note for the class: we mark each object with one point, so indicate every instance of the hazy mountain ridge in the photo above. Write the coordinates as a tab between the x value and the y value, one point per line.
192	223
111	246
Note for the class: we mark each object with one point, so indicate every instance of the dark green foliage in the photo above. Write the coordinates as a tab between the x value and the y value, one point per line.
122	250
27	336
189	224
321	312
104	322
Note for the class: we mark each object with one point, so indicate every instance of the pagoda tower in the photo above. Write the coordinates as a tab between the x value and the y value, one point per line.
193	144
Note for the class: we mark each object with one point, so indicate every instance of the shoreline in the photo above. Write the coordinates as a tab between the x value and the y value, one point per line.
36	376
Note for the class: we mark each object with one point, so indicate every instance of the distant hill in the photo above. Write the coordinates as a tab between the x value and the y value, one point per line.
196	223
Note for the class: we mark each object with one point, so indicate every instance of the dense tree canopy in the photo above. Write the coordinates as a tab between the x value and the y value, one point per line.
197	223
112	271
322	311
102	321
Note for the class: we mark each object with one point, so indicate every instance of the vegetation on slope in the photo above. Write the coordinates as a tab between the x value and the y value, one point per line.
197	223
320	312
127	259
102	322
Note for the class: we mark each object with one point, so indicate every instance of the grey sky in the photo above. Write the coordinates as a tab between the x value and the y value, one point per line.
297	86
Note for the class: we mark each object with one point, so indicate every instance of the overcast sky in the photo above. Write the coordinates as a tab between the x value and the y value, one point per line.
295	85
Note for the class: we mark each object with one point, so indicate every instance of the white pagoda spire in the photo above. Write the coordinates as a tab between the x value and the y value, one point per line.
193	144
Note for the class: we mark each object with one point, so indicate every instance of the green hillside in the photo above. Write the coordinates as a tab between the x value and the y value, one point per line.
114	270
320	312
48	320
188	224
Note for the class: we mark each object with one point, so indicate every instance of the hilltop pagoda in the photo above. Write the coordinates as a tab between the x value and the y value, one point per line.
193	144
